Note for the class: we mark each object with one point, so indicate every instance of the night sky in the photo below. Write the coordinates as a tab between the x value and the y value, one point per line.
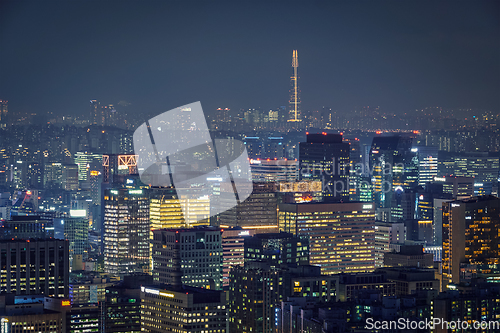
399	55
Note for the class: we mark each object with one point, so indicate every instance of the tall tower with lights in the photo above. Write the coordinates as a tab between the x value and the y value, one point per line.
294	102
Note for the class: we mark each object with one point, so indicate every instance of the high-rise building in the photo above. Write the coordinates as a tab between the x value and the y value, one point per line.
25	314
458	187
409	256
470	237
294	101
341	235
167	210
126	230
26	227
274	148
122	310
298	192
84	161
382	241
182	309
256	290
427	164
258	211
53	176
276	249
271	170
394	167
34	267
355	169
325	157
482	166
254	147
233	250
76	231
200	255
70	177
477	304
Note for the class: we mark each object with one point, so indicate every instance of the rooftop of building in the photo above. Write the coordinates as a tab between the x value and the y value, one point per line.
193	229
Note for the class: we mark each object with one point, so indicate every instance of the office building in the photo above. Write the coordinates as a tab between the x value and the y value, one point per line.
470	237
182	309
457	187
274	170
167	210
437	221
382	241
427	164
410	280
478	305
70	177
76	231
126	230
325	157
409	256
277	249
233	250
350	286
258	211
122	311
253	144
394	167
53	176
482	166
355	169
274	148
34	267
256	290
299	191
88	287
84	160
199	251
341	235
29	315
26	227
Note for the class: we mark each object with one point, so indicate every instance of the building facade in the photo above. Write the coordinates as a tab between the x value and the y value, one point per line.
341	235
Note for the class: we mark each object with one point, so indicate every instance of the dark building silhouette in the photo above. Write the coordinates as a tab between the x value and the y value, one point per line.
325	157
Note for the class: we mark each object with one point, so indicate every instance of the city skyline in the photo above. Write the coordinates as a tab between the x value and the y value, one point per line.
165	167
166	54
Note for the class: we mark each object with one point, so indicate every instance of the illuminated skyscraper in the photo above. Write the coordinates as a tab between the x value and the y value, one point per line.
34	267
341	235
470	238
84	160
199	251
294	102
126	230
394	166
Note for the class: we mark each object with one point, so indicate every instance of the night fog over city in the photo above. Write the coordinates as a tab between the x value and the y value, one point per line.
249	166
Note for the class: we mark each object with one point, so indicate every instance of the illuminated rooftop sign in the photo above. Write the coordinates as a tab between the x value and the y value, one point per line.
77	213
134	191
